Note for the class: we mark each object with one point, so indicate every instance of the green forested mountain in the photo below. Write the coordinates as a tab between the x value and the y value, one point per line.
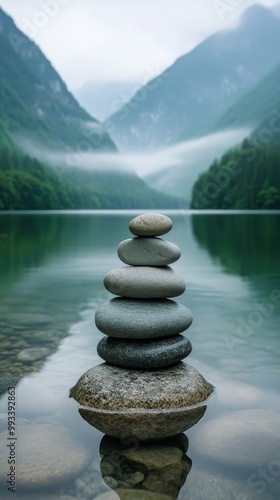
36	108
34	101
26	184
247	177
254	106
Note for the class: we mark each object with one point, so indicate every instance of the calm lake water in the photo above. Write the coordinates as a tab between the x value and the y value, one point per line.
52	266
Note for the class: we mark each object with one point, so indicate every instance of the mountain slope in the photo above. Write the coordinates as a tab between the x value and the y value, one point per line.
39	116
186	99
247	177
194	159
34	100
254	106
276	9
26	184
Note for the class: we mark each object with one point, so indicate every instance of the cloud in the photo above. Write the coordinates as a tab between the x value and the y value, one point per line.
118	40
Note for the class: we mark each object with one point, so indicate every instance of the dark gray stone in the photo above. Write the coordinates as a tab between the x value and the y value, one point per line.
142	319
150	224
144	282
148	354
143	251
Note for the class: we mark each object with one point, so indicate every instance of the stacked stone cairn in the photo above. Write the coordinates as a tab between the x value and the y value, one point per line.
144	389
143	326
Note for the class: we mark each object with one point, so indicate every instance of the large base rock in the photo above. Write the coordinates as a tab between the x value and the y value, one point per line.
143	425
142	404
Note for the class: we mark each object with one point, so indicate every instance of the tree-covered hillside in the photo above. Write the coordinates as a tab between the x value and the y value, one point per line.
252	108
37	109
244	178
26	184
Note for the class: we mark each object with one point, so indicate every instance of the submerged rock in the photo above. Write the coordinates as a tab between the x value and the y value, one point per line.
34	353
46	455
217	485
245	438
24	319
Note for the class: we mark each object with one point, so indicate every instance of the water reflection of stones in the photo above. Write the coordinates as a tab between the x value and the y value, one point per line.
137	470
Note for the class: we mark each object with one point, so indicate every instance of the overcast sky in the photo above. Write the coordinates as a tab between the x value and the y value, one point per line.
132	40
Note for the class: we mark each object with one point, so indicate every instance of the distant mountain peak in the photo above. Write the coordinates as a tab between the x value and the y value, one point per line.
200	86
256	13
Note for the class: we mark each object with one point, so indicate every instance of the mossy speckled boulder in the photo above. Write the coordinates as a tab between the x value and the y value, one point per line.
112	388
142	404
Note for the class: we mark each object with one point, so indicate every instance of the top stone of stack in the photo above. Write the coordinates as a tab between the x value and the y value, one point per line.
150	224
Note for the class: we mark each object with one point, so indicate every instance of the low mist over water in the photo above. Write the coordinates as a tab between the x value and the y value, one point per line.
192	156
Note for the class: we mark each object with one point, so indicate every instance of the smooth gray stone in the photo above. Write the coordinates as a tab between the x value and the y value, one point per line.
150	224
144	282
144	355
143	251
142	319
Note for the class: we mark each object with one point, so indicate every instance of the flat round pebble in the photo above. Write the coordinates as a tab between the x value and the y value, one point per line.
150	224
144	282
46	455
144	354
142	319
245	438
147	251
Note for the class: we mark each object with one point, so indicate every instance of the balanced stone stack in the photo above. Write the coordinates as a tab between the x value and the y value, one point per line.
143	390
142	325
